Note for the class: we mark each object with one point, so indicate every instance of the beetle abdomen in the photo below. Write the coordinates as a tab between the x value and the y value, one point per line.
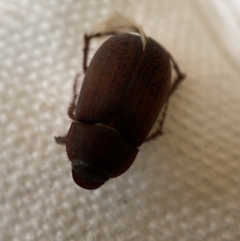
125	81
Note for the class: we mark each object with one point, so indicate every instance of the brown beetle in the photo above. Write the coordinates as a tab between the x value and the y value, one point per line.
126	86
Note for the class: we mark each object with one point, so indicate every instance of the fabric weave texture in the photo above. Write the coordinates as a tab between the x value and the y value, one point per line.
183	186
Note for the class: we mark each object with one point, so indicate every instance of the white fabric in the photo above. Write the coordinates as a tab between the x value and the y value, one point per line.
183	186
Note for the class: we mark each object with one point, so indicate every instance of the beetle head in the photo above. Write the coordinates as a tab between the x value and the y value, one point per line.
97	153
88	176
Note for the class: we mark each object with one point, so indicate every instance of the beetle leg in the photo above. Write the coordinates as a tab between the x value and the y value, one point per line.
61	140
180	77
159	132
87	39
72	106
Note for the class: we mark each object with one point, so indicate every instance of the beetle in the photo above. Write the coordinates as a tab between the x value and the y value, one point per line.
125	87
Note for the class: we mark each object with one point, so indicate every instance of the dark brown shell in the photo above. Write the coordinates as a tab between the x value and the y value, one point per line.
127	85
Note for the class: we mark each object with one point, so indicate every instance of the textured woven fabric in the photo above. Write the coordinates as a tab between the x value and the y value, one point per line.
183	186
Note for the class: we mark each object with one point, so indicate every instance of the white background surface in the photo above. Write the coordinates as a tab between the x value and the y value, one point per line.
183	186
